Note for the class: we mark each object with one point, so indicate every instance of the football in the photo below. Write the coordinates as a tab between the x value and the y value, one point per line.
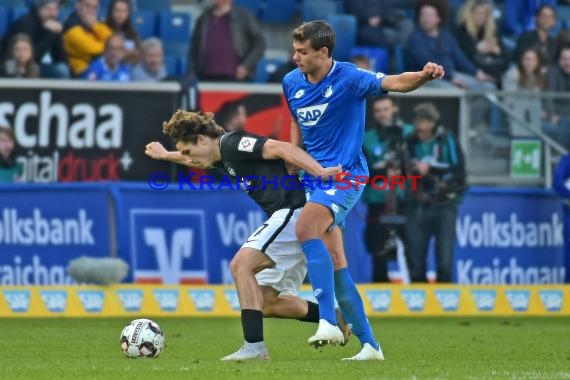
142	338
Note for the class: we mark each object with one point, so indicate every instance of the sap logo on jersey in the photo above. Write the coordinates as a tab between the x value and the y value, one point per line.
203	299
54	300
168	246
18	300
309	116
92	300
379	299
130	299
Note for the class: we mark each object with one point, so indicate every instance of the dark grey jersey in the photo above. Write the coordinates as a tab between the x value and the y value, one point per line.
266	181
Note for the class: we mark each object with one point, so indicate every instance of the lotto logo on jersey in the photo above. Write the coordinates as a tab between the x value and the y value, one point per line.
310	116
168	246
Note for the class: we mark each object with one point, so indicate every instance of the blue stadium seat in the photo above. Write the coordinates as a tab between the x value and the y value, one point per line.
174	26
318	9
255	6
16	13
379	57
154	5
64	13
182	65
144	22
176	48
265	68
278	11
171	64
345	29
3	21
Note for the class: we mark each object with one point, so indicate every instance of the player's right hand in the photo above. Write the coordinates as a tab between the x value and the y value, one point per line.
331	171
291	169
155	150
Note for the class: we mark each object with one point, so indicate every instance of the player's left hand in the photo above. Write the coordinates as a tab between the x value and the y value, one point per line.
433	71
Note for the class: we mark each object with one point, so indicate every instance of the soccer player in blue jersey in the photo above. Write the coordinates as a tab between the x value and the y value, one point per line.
327	101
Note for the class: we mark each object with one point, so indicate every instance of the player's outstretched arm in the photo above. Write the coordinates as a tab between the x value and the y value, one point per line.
273	149
410	81
157	151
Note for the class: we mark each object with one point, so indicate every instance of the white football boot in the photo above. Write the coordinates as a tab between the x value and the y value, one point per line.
368	353
249	351
326	334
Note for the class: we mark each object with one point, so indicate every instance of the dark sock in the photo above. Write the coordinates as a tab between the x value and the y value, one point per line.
313	313
252	325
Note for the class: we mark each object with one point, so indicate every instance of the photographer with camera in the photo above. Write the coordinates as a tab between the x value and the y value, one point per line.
436	156
386	152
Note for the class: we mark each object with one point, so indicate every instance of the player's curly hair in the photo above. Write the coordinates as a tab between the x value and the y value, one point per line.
186	126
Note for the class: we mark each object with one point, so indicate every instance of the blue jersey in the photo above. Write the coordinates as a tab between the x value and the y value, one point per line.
331	113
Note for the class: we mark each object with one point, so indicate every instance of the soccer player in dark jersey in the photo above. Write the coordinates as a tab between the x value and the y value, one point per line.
270	266
327	100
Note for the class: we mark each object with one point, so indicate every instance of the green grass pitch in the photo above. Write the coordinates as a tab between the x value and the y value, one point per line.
415	348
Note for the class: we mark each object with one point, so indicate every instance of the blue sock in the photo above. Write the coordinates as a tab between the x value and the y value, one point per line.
320	268
352	308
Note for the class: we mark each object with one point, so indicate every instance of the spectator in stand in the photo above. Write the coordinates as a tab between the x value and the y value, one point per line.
20	62
540	38
151	68
479	39
380	23
519	15
284	69
10	170
227	43
432	43
119	21
42	26
232	116
110	66
84	37
386	154
558	109
524	82
361	61
432	209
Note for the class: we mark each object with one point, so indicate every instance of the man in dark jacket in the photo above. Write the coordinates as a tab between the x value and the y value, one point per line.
380	23
226	43
42	25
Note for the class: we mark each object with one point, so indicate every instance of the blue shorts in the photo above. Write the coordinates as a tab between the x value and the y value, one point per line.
338	201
